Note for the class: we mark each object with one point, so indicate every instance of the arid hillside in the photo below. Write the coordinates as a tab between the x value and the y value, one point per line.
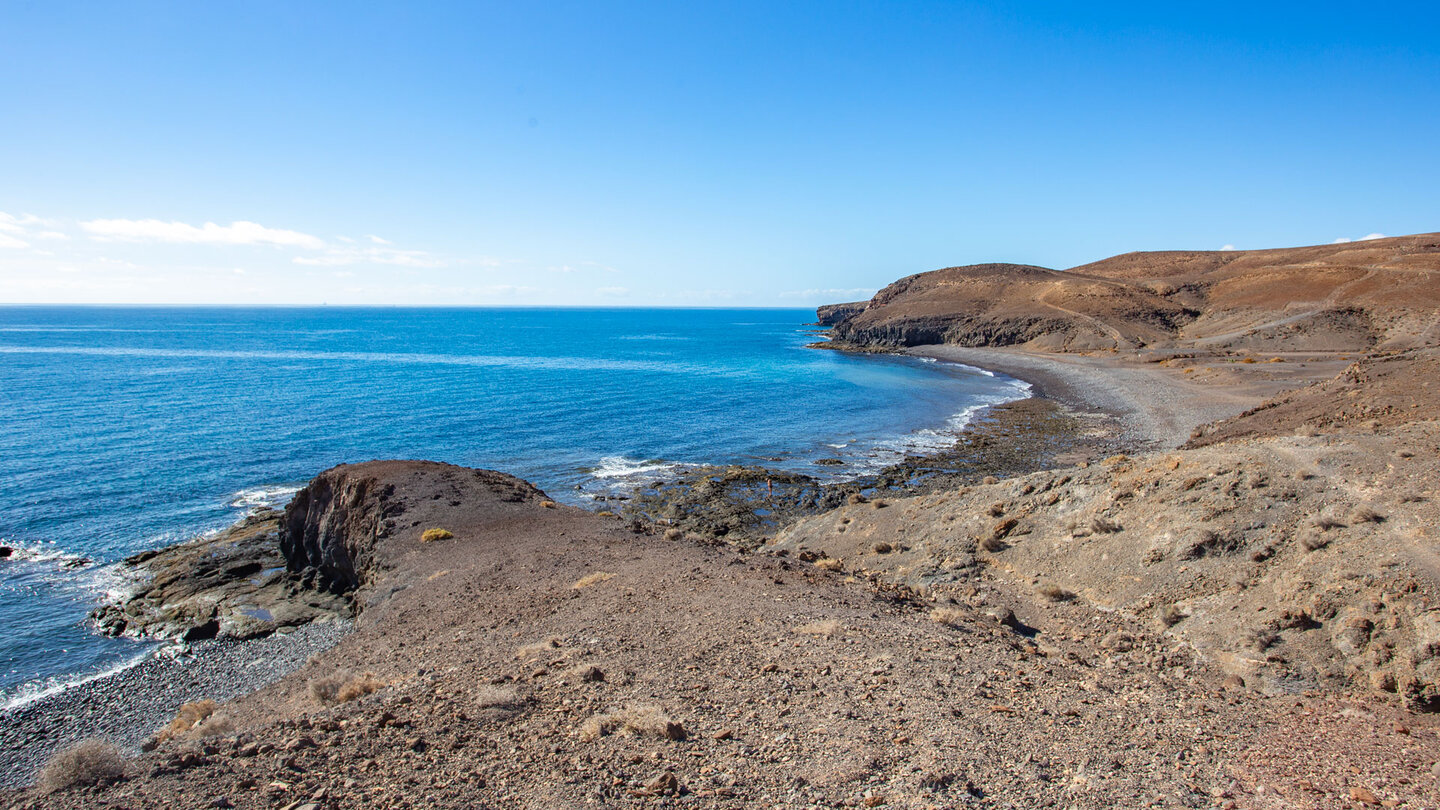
1357	296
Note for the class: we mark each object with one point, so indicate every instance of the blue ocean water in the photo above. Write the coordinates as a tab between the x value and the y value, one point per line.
123	429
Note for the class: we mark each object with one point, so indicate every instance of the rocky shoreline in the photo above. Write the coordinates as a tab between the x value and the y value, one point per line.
130	706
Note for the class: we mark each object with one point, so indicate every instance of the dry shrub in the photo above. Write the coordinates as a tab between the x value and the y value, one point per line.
1325	523
639	720
947	615
1055	593
1171	615
879	503
1364	514
431	535
496	697
673	534
883	548
359	686
89	762
343	687
547	504
605	513
996	509
1314	541
189	717
592	579
825	628
217	725
326	690
855	498
990	479
993	543
829	564
1104	525
538	649
1249	360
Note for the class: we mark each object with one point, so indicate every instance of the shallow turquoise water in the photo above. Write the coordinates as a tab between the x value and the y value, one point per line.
123	429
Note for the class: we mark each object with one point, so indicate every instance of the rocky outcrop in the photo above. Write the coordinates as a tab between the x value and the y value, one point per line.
335	530
231	584
274	570
831	314
330	528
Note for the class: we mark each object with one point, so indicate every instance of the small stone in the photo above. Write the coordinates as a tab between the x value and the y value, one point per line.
674	731
416	744
1435	770
1234	682
663	785
222	803
1399	728
1360	794
592	674
873	801
726	734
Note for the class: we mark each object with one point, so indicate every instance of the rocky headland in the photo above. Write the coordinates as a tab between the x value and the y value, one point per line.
1205	575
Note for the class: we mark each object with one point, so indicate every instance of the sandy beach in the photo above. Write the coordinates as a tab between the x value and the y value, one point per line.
1157	406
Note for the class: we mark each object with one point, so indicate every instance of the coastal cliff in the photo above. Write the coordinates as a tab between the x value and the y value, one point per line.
1348	297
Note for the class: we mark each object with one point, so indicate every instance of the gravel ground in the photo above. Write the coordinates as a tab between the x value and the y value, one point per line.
128	707
1155	409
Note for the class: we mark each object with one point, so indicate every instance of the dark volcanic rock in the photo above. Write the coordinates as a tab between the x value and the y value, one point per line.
330	527
232	584
831	314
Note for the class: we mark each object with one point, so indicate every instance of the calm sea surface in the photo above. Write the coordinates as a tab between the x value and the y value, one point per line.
125	429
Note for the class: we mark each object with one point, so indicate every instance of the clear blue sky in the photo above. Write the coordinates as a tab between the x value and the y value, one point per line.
684	153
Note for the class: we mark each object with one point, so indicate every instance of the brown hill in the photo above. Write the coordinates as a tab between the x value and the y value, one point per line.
1358	296
1008	304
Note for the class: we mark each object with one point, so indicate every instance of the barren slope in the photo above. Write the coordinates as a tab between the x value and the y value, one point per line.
548	657
1347	297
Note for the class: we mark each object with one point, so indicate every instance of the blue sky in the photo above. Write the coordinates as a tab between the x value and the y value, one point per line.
757	154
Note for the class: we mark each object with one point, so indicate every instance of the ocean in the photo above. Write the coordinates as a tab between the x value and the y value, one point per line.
124	429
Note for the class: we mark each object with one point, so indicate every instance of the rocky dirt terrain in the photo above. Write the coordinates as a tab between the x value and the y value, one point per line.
542	656
1226	594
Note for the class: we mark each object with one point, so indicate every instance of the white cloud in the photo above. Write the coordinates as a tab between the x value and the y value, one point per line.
1367	237
236	233
378	241
1227	247
11	242
19	224
50	235
830	295
341	256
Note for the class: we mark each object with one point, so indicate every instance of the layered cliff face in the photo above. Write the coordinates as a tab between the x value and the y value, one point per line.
831	314
331	527
1355	297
